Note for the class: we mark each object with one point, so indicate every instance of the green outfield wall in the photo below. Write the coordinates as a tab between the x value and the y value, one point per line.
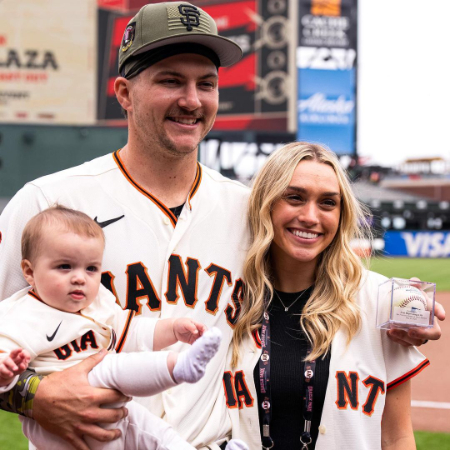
31	151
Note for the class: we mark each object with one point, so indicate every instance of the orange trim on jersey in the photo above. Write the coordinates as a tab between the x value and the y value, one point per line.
159	204
34	295
408	375
124	335
256	338
196	184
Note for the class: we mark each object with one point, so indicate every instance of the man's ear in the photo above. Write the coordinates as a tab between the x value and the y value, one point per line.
28	271
122	90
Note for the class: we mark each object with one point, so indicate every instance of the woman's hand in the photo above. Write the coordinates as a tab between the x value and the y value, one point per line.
418	336
66	405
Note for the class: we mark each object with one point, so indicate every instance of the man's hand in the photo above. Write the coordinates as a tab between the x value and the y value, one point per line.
66	405
418	336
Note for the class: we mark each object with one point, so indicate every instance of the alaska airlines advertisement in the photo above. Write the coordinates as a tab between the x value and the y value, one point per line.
326	70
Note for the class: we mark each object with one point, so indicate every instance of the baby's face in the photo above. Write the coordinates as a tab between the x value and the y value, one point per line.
67	271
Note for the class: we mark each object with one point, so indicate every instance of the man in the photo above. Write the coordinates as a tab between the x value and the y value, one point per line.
175	230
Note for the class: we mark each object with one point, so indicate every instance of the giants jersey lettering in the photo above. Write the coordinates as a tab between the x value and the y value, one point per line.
182	283
155	264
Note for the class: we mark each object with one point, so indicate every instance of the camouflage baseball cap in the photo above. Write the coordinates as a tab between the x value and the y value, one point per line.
160	24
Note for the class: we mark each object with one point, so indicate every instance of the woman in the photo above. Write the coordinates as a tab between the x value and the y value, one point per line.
325	377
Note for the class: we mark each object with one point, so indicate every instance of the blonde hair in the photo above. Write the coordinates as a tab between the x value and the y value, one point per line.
332	303
67	219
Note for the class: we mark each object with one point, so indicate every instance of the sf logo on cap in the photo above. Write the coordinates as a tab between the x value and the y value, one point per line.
191	16
128	37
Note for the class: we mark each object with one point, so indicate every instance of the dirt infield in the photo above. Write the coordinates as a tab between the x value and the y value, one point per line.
433	384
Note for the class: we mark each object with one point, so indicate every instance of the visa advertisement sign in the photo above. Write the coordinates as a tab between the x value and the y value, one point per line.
326	108
417	244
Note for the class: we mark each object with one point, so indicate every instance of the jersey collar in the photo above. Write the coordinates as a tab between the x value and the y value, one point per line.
173	219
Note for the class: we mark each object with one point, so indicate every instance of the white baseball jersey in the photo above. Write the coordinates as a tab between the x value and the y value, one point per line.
57	339
359	377
155	264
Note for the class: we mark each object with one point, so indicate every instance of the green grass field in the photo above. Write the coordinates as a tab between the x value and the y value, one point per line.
11	437
433	270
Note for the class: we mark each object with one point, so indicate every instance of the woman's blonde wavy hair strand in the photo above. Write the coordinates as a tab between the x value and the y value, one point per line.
332	303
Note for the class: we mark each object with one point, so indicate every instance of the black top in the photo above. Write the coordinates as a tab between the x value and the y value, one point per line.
288	350
177	210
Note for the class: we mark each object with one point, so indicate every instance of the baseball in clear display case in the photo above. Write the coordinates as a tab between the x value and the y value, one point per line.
405	304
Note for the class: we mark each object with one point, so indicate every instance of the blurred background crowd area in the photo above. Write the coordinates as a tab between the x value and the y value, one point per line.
353	75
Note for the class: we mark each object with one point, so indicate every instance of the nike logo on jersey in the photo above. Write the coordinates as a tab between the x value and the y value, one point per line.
107	222
50	338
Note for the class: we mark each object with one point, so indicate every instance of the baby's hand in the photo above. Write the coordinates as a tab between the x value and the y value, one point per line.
187	330
13	364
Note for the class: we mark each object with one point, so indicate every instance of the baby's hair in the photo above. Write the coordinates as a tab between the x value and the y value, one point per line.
67	219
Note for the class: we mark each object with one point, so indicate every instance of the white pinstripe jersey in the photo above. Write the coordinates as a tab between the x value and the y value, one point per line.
155	264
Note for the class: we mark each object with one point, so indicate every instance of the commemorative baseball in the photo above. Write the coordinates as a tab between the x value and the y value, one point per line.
405	303
409	297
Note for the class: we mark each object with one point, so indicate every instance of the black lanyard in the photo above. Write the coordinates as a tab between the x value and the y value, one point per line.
308	391
265	391
264	382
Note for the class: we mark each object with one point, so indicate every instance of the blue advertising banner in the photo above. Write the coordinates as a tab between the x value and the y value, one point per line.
326	72
326	108
417	244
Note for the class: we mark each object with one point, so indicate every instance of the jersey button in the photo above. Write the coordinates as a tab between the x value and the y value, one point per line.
322	429
166	220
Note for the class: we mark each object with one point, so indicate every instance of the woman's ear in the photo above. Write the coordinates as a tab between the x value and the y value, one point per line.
28	271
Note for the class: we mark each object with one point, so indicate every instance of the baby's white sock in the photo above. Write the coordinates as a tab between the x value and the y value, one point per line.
191	364
236	444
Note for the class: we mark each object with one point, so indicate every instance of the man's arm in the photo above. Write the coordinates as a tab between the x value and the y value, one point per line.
66	405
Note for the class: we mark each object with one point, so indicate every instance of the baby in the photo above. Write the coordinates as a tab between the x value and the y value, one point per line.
65	317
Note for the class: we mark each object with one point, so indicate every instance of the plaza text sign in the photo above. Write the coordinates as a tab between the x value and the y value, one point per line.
48	61
418	244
